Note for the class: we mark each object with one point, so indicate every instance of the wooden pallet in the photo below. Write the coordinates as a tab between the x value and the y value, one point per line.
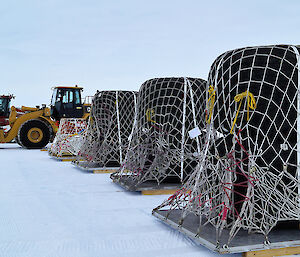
159	192
148	187
273	252
84	165
63	158
100	171
285	241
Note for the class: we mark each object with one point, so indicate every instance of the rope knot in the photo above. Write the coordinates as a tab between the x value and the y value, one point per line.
251	104
149	114
210	102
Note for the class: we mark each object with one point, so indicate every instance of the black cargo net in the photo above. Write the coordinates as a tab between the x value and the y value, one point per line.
68	138
248	173
165	143
109	128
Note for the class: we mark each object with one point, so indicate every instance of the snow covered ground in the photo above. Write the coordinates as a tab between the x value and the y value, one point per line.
49	208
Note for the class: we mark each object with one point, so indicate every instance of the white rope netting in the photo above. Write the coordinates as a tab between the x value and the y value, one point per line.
68	138
109	128
248	172
164	148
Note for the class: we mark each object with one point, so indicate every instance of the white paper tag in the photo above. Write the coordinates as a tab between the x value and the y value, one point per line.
194	132
284	147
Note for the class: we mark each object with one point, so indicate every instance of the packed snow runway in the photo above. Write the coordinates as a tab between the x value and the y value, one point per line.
50	208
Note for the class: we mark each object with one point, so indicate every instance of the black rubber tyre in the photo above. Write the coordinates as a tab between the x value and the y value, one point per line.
34	134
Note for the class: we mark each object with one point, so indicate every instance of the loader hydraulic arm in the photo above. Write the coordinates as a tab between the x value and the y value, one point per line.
16	123
12	116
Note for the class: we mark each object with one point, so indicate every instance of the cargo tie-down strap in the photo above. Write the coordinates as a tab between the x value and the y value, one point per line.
251	104
210	102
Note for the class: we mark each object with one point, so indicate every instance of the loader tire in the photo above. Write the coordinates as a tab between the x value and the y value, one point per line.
34	134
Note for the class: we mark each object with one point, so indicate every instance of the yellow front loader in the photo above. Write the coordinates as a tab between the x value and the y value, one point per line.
33	129
36	127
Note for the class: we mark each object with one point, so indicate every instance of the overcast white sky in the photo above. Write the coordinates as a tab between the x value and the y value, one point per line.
118	44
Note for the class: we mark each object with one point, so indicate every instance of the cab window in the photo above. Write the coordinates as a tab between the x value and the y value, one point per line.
65	98
77	97
4	106
62	96
53	100
70	96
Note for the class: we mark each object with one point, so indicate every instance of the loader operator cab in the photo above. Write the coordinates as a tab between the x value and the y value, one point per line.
66	103
4	106
4	109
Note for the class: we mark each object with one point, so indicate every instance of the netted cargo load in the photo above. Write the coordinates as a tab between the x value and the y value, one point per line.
166	137
246	182
68	139
108	134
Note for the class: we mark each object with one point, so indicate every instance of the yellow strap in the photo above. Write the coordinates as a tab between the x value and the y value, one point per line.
211	102
149	114
251	104
75	134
